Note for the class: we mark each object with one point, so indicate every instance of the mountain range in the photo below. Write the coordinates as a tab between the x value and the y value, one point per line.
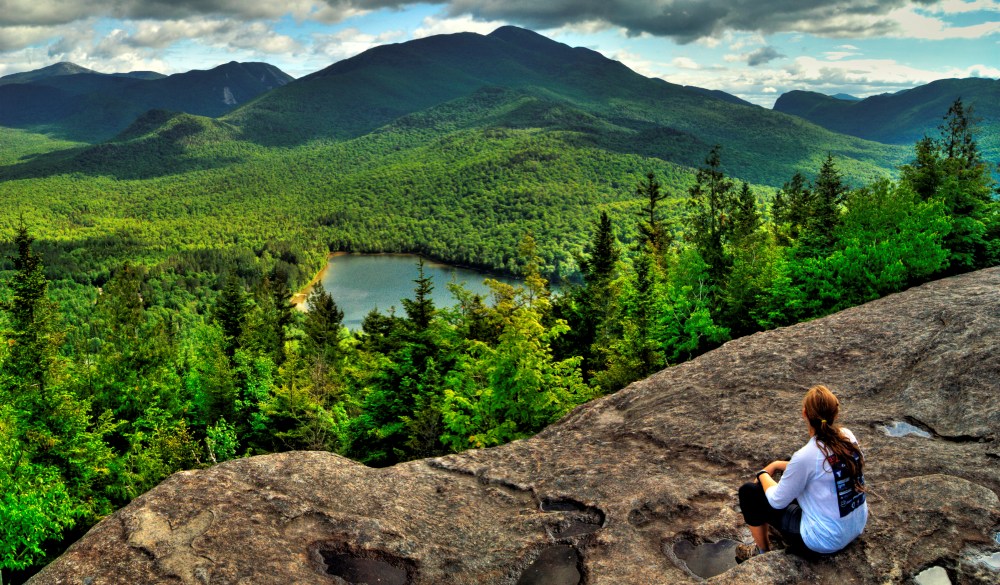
905	116
80	104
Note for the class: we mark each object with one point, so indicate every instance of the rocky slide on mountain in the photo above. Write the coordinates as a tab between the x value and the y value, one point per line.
637	487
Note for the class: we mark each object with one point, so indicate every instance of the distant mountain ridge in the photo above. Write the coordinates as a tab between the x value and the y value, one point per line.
85	105
363	93
464	82
903	117
66	68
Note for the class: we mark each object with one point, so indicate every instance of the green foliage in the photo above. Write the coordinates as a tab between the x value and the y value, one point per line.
35	503
512	390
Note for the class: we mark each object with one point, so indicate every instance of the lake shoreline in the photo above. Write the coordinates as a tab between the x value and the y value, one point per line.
299	298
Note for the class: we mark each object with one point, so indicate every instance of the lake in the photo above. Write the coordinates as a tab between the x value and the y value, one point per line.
362	282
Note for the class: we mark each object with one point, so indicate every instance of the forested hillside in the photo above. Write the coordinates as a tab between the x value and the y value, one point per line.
906	116
71	102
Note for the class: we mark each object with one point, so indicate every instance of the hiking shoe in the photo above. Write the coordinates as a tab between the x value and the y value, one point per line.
746	551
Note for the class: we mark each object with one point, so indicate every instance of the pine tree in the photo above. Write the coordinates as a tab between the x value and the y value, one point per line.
966	187
651	230
230	313
323	324
791	208
958	141
601	265
420	309
709	205
828	194
31	316
53	461
589	335
924	174
746	218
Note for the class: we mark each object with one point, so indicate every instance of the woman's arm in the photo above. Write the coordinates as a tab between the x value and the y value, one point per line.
793	481
767	479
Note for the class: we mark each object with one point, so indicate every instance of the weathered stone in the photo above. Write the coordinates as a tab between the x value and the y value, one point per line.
604	496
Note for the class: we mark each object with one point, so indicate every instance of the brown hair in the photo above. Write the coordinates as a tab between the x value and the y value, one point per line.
821	409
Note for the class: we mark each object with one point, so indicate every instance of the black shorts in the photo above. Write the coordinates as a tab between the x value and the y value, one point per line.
757	511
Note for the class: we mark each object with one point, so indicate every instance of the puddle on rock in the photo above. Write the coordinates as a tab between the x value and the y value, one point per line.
932	576
709	559
582	519
561	505
367	567
556	565
991	560
900	428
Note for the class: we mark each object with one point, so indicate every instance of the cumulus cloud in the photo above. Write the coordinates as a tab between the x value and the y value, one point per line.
433	25
681	20
685	63
763	55
350	42
50	12
689	20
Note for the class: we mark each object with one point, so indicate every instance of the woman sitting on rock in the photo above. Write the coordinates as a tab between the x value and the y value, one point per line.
819	505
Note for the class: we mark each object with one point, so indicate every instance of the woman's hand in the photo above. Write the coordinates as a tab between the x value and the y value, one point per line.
775	466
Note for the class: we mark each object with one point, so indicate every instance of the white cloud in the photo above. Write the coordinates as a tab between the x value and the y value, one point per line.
433	25
685	63
838	55
913	24
350	42
636	62
587	27
962	6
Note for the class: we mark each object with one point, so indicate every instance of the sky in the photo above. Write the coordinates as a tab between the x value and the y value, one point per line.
755	49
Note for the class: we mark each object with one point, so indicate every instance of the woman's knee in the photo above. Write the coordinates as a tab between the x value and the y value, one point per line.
749	490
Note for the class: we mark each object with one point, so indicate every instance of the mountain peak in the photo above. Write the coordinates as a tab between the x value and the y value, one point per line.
517	34
54	70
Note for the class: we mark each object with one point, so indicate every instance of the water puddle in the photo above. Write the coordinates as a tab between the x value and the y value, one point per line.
709	559
991	560
367	567
556	565
580	519
932	576
901	429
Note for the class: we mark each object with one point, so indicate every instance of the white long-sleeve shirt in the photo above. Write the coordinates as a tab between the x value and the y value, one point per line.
833	512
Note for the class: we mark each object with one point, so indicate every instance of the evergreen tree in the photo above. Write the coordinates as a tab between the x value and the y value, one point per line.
535	285
967	188
586	309
710	205
958	141
53	458
420	309
791	209
746	218
924	174
828	194
230	313
651	230
323	324
33	338
600	266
